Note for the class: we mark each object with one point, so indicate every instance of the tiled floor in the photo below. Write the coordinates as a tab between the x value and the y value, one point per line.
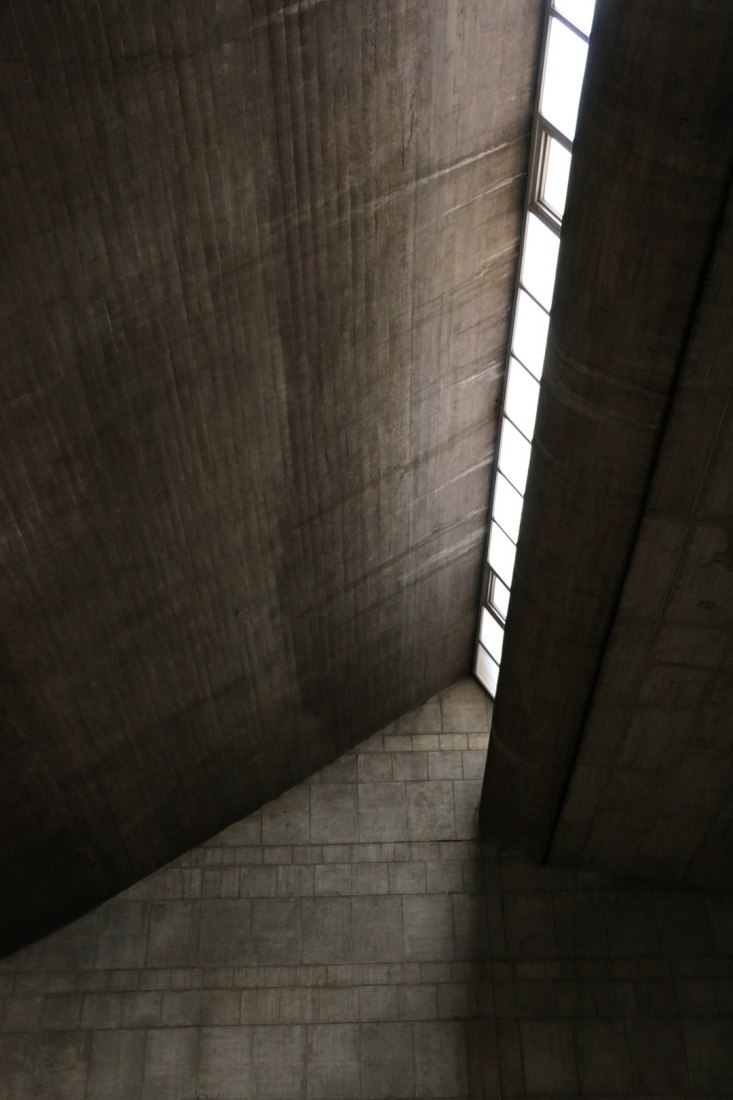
351	940
328	946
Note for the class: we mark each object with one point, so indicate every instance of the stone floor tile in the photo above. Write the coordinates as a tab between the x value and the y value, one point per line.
386	1042
709	1049
548	1057
258	882
420	742
444	876
61	1061
430	813
220	1006
377	928
287	819
655	998
374	767
115	1065
441	1062
387	1080
535	1000
580	923
470	937
428	927
424	719
530	926
278	1080
332	1043
180	1008
604	1063
410	765
632	924
332	1081
407	878
338	1005
466	794
445	764
720	915
225	1062
244	832
615	998
122	929
174	932
695	998
369	878
171	1062
683	923
333	814
457	1001
225	932
379	1002
474	763
141	1009
418	1002
658	1056
71	948
275	930
332	880
382	812
326	930
344	770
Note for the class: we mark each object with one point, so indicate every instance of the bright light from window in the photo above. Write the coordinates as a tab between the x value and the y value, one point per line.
555	118
556	174
522	395
530	333
539	262
491	635
499	596
514	455
502	552
577	12
507	507
563	78
487	670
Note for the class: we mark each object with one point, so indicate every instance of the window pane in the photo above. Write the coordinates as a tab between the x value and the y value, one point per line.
507	507
514	455
491	635
487	670
577	12
501	554
555	176
499	596
530	333
539	261
563	78
522	395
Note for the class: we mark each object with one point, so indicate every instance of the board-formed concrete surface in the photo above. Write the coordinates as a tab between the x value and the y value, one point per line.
352	940
260	259
618	651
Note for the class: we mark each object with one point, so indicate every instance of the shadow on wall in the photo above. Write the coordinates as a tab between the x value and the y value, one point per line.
354	939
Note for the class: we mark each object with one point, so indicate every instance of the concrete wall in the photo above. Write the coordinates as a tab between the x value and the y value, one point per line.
259	259
636	387
652	791
352	940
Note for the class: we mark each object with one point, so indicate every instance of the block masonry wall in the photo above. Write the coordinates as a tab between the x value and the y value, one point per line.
353	939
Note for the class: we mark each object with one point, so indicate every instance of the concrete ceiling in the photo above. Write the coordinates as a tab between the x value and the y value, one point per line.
612	742
259	260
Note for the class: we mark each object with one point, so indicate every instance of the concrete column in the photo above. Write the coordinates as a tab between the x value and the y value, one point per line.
651	163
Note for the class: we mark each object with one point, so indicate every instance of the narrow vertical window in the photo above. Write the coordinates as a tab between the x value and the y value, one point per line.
565	49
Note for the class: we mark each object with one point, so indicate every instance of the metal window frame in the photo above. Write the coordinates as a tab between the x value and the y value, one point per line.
542	132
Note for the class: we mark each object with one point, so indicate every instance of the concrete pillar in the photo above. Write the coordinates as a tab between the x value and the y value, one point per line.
650	168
